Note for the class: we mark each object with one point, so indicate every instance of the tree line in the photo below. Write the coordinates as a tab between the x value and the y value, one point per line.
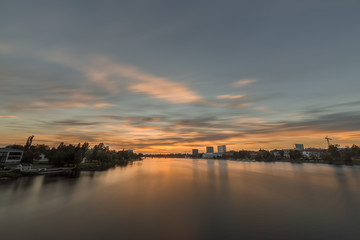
333	155
74	154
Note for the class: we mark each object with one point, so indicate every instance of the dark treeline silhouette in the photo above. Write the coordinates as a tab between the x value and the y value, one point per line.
101	154
346	155
333	154
74	154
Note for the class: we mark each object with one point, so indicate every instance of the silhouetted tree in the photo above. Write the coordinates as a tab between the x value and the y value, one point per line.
264	155
333	153
28	142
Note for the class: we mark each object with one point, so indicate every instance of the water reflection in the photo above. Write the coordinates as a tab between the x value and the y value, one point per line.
186	199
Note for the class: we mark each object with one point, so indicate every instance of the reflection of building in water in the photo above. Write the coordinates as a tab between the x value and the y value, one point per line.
10	156
209	149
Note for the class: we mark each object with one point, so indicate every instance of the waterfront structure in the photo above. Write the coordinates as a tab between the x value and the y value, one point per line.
222	149
212	155
195	152
313	153
209	149
10	156
299	147
24	167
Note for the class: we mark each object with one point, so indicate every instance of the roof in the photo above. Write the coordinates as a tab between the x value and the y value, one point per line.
10	150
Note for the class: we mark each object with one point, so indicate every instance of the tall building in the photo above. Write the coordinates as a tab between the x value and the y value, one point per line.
299	146
221	149
195	152
209	149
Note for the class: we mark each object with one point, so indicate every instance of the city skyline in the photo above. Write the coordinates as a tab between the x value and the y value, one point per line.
174	76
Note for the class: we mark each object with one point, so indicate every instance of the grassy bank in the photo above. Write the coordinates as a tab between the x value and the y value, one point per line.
11	175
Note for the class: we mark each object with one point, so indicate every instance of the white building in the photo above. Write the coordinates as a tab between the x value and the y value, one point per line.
313	153
23	167
42	159
10	156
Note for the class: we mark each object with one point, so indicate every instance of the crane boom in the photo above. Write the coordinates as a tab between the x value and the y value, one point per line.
328	140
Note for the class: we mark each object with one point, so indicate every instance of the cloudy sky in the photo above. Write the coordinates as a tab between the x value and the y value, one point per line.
169	76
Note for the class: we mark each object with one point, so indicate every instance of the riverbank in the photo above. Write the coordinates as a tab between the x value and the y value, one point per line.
71	170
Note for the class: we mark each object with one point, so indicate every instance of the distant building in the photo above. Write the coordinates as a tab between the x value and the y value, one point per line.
222	149
195	152
209	149
277	153
212	155
10	156
299	147
23	167
313	153
287	152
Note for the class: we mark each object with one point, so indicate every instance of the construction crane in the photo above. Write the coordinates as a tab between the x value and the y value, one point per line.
328	140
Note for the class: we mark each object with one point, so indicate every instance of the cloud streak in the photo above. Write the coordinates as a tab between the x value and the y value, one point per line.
112	76
9	116
244	82
230	97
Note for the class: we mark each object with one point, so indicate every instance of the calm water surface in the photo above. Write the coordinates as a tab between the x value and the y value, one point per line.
186	199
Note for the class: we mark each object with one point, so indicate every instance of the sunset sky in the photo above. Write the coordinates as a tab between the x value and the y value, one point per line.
169	76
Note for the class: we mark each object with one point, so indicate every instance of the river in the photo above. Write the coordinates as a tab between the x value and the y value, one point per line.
186	199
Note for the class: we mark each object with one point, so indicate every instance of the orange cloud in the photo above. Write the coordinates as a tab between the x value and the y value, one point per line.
69	104
110	75
262	108
9	116
244	82
172	92
230	97
154	86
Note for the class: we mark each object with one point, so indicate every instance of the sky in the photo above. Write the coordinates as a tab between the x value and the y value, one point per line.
168	76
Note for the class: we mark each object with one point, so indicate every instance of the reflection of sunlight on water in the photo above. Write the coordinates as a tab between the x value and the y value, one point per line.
187	199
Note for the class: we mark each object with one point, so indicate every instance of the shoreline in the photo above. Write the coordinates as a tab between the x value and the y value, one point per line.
74	171
335	163
66	171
